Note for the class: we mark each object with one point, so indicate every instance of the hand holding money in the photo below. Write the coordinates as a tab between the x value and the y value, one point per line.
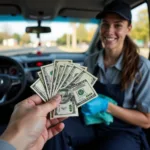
72	81
29	127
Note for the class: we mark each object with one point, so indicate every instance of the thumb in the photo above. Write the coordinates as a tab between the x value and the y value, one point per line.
51	104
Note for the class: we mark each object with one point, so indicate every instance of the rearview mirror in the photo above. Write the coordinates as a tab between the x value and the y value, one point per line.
36	29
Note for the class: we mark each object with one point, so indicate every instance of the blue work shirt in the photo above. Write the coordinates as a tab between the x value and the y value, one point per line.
4	145
137	95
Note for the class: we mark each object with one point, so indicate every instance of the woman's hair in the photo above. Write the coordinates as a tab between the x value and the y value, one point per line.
130	62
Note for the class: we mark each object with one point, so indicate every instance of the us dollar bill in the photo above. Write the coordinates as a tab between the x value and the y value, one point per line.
47	73
75	71
38	87
59	75
58	62
83	67
65	75
77	64
82	76
83	92
41	77
42	80
88	76
67	105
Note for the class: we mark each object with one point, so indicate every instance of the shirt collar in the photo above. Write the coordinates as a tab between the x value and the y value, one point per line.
118	64
100	61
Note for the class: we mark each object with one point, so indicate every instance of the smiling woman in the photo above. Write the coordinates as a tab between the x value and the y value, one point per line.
113	32
114	35
124	76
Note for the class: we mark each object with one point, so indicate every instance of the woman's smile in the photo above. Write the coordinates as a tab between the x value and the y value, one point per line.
113	31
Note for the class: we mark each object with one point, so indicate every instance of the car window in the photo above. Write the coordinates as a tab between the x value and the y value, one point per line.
64	37
140	29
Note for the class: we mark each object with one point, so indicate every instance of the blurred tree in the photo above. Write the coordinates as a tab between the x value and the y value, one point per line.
17	37
61	40
6	32
82	33
4	35
91	33
141	27
25	39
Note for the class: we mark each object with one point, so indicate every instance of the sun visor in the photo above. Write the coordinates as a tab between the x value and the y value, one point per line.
9	9
78	13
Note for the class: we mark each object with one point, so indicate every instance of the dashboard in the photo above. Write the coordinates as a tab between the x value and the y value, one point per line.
10	70
32	63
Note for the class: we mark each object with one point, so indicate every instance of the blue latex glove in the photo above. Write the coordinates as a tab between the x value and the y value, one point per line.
101	117
98	104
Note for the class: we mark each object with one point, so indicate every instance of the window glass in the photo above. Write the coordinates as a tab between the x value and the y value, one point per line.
65	36
140	29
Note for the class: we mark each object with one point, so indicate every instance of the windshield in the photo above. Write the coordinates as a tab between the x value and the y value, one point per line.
72	37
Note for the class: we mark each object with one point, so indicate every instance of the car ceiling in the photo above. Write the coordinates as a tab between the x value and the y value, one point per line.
49	9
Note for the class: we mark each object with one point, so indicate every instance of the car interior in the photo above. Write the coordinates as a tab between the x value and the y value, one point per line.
18	68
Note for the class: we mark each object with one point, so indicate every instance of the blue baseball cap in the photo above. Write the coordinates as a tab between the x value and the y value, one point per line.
119	7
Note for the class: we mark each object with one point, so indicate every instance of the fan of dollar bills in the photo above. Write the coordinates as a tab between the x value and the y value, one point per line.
72	81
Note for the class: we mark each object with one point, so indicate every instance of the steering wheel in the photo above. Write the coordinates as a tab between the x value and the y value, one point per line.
8	82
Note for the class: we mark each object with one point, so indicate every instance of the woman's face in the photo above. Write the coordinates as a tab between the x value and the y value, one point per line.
113	31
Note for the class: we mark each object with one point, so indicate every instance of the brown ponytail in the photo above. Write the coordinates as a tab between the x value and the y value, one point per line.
130	62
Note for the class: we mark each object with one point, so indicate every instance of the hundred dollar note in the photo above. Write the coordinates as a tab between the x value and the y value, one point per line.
47	72
65	75
38	87
82	76
75	71
57	62
67	105
83	92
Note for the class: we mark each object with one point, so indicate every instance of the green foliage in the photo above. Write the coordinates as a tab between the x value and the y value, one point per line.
4	35
17	37
140	29
62	40
91	33
82	33
25	39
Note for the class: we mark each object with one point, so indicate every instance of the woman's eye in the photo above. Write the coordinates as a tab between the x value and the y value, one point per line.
104	25
118	25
